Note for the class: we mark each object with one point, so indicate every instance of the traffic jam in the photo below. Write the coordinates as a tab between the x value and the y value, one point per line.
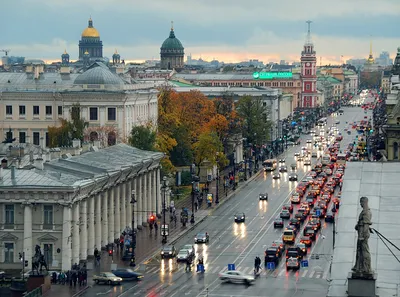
315	200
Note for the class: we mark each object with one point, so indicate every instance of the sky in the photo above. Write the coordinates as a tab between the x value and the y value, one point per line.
226	30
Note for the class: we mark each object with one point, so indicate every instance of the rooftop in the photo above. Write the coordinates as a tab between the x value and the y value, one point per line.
219	76
380	183
218	91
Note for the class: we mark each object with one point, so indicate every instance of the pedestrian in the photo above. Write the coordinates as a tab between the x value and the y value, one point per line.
196	205
155	227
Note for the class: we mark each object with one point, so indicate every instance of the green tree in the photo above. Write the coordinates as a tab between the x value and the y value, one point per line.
182	154
77	124
208	148
254	116
143	137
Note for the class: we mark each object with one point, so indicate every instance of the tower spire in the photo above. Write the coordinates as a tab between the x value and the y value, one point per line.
370	47
172	25
308	41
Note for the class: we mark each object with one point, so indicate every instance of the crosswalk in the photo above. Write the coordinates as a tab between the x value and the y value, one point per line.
278	273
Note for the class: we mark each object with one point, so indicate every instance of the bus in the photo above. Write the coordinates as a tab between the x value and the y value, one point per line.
270	164
322	122
341	159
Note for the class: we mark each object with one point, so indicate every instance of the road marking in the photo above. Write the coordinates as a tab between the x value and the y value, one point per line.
245	269
123	293
215	270
104	293
326	272
281	273
151	270
311	274
188	293
318	275
154	290
222	270
136	293
218	246
304	273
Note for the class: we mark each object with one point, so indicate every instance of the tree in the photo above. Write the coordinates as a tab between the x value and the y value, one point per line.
143	137
207	148
182	154
254	117
60	136
77	124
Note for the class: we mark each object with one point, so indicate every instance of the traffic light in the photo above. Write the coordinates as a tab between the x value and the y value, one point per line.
110	252
21	257
26	263
152	219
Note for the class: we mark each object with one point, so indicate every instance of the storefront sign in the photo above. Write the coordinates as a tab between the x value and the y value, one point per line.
272	75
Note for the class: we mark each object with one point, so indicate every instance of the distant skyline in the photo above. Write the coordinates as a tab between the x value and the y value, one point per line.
226	30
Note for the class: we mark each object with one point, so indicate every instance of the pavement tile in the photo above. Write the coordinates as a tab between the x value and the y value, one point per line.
65	291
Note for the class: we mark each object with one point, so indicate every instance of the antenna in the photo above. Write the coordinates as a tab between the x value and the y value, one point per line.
172	25
309	31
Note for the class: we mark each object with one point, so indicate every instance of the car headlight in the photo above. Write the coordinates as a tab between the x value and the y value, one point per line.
170	253
162	253
242	218
195	238
235	218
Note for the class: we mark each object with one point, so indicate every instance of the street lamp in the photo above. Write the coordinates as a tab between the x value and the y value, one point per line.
133	244
164	226
195	181
217	193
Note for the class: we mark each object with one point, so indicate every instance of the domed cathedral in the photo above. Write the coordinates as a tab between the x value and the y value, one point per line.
90	43
172	52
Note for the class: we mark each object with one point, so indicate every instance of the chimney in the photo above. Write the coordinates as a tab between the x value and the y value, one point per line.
4	163
13	172
31	157
76	143
39	163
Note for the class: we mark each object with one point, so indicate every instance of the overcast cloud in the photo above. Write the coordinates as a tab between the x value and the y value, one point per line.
228	30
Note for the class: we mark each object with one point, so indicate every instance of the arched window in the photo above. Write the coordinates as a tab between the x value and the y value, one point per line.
395	151
112	138
94	136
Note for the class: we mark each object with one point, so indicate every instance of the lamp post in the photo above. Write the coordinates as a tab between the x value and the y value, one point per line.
133	244
164	226
217	193
234	170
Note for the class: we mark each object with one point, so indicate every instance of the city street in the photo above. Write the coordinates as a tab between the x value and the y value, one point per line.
239	244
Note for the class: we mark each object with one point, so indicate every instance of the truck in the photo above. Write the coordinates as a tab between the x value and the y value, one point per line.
270	164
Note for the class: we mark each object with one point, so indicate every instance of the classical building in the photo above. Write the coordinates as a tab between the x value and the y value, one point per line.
350	82
90	43
308	76
33	100
172	52
72	205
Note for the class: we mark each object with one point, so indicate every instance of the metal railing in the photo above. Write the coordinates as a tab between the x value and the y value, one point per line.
35	292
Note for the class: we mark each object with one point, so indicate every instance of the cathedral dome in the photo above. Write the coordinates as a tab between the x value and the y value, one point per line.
172	44
98	74
90	31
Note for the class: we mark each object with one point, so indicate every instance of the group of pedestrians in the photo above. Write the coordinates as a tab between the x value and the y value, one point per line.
77	275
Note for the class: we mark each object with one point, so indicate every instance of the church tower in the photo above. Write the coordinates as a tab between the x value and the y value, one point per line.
309	94
65	58
116	58
90	42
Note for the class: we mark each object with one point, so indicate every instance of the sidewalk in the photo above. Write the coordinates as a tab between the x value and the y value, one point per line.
65	291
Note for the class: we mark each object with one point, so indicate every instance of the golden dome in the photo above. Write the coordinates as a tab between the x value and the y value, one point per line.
90	31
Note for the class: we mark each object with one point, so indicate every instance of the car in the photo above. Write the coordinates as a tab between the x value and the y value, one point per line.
310	201
283	169
289	236
278	222
314	155
282	160
107	278
295	222
311	233
309	141
307	162
292	263
236	276
272	254
285	214
202	237
295	198
127	274
303	248
288	207
337	122
168	251
300	158
293	177
293	167
306	240
276	175
183	255
296	154
190	248
240	218
294	252
330	217
300	216
263	196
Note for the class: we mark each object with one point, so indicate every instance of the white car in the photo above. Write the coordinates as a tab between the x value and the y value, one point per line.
307	162
107	278
236	276
292	263
295	198
183	255
309	141
189	247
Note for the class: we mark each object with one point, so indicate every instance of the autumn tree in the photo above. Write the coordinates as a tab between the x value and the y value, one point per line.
59	136
143	137
254	116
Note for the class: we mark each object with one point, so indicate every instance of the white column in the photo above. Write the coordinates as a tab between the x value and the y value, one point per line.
66	239
75	234
83	234
128	219
153	177
28	234
139	204
117	212
98	233
158	189
152	208
111	210
91	235
104	231
123	206
144	200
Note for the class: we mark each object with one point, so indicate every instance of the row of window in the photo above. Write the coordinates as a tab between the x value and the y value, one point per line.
35	135
260	84
47	215
93	112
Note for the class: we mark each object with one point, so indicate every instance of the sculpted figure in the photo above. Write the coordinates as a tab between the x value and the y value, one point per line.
363	256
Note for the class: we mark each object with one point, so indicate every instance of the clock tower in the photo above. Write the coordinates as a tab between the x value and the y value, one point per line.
309	93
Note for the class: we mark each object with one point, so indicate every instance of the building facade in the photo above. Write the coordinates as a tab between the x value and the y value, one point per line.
90	43
34	100
309	93
350	82
172	52
70	206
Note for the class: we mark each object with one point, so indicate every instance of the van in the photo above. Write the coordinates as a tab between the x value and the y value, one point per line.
288	236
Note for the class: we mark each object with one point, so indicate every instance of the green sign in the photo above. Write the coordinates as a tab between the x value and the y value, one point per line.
272	75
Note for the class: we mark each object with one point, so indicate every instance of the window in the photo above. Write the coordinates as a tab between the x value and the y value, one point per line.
93	116
60	110
9	214
48	253
9	110
111	114
8	252
36	110
22	137
22	110
36	138
307	87
48	216
47	139
49	110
